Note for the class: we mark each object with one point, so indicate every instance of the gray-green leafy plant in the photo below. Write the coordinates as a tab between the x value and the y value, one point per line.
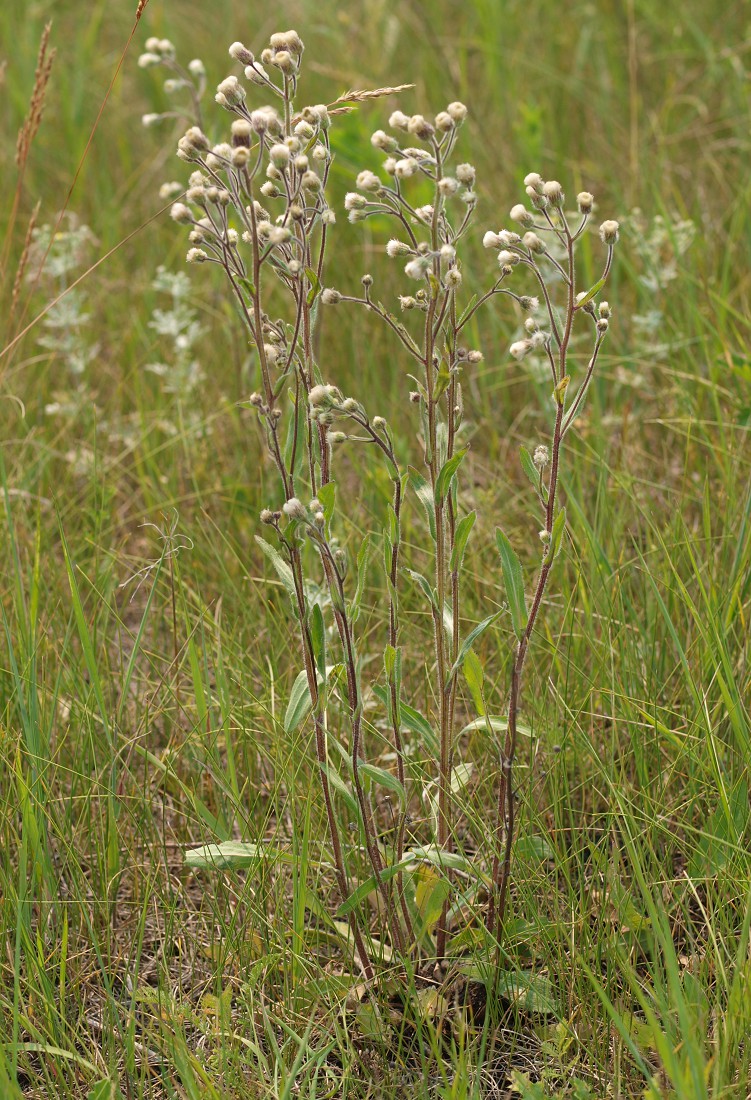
256	206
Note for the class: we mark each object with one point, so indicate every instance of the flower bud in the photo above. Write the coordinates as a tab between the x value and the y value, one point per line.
444	122
294	508
609	232
331	297
180	213
466	174
520	348
397	248
241	131
241	53
541	457
287	40
398	120
196	256
553	192
353	201
420	127
457	111
197	68
448	186
508	259
416	268
604	309
519	213
279	155
585	202
232	90
405	168
535	181
381	140
491	240
507	238
533	243
529	304
368	181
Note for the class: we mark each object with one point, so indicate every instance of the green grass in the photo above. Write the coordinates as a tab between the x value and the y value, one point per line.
138	721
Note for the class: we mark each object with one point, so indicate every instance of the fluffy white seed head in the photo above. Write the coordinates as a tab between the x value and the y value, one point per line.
585	202
491	240
457	111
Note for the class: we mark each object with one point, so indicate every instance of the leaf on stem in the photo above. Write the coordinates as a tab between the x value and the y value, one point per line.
514	581
425	496
461	538
283	571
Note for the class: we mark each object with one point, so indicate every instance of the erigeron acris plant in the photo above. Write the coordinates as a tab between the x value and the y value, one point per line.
256	206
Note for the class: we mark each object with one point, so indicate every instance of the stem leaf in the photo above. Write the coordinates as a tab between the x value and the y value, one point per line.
514	581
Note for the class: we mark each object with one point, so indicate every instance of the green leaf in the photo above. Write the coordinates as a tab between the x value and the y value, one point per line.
425	496
431	891
315	285
447	473
474	676
529	468
360	894
362	575
442	382
327	496
534	847
532	992
384	779
337	784
556	537
497	725
233	854
460	776
466	311
424	585
439	857
300	703
104	1090
514	581
283	571
590	294
318	638
461	538
470	640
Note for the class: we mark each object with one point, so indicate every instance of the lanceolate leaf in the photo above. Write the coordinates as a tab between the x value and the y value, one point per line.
448	470
299	704
556	536
514	581
233	854
529	467
425	496
282	569
470	640
384	779
463	531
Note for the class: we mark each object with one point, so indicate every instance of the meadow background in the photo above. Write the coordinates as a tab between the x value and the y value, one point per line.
145	653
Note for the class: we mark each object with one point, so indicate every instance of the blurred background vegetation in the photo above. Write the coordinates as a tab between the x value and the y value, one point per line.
137	719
